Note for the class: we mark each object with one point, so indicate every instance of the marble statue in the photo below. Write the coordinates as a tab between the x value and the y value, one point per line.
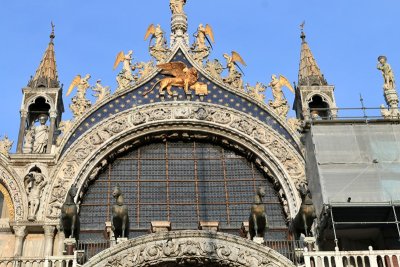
234	77
101	92
177	6
200	50
389	89
5	146
34	183
28	140
41	135
159	50
125	77
79	103
279	104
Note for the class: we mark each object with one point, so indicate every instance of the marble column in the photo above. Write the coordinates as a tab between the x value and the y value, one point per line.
20	233
53	116
61	238
48	239
24	116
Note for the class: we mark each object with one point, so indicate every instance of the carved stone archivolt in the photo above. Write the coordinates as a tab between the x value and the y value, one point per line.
16	201
194	248
83	160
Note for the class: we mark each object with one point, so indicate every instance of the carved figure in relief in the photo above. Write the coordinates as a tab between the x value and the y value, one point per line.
41	135
279	104
215	68
79	102
125	77
145	68
159	50
101	92
69	220
5	146
177	6
258	223
34	183
234	77
304	219
120	217
182	76
256	92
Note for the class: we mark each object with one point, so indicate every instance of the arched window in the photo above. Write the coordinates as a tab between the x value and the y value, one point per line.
184	183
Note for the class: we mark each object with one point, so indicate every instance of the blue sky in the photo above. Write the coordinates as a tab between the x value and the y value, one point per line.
346	37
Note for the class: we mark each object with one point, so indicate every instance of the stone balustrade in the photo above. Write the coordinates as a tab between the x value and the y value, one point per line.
366	258
50	261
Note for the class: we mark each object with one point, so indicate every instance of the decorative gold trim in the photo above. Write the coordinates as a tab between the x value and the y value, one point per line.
9	203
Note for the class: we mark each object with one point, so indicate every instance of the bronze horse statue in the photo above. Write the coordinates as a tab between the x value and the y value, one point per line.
120	218
301	224
69	220
258	223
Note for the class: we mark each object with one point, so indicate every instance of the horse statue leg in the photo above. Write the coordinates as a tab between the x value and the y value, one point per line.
73	221
303	216
255	225
123	226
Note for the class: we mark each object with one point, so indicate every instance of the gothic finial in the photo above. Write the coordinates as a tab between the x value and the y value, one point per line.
52	35
303	36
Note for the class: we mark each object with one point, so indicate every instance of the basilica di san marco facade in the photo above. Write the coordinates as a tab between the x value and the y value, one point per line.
185	164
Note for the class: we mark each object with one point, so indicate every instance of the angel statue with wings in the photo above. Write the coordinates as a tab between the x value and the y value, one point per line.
79	102
234	77
125	76
199	48
180	75
159	50
279	104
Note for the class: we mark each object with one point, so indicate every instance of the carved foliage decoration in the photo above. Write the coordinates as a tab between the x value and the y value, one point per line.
14	192
194	248
79	153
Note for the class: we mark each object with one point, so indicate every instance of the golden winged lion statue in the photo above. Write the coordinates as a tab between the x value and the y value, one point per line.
180	75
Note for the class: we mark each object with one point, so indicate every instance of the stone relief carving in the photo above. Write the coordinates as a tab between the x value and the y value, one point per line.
35	183
256	92
5	146
15	194
215	68
196	250
64	127
100	92
90	142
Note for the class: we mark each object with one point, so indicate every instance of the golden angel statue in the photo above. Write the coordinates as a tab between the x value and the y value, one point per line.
200	49
177	6
234	77
279	104
159	50
79	102
125	76
180	76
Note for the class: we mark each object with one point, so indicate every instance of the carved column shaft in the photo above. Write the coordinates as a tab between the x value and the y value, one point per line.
21	134
20	233
53	116
48	239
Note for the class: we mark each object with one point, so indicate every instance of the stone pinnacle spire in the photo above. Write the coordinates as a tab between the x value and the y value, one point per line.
179	24
46	74
309	72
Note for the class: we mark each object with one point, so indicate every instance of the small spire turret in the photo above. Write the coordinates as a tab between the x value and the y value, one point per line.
309	72
46	75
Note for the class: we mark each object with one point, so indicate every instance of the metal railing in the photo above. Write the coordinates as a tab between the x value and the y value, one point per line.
367	258
91	248
351	114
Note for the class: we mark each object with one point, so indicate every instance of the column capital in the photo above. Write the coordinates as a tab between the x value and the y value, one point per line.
20	231
49	230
